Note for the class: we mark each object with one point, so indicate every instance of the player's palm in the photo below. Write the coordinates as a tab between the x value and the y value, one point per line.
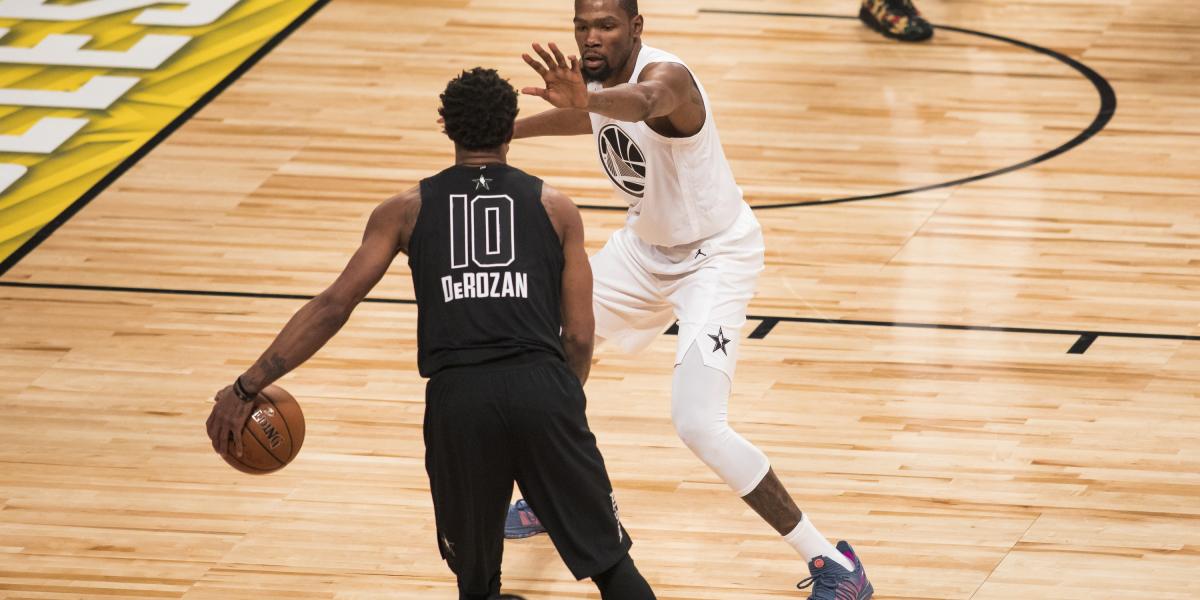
563	77
565	89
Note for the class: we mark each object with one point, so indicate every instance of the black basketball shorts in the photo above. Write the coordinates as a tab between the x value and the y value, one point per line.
487	426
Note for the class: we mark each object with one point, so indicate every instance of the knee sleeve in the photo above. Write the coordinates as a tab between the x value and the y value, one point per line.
700	412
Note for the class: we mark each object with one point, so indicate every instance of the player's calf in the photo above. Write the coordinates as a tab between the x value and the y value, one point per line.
622	581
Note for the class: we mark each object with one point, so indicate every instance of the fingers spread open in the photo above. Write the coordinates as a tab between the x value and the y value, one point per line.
559	59
545	55
537	66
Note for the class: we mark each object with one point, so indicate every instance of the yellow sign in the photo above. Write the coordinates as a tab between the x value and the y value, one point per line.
87	87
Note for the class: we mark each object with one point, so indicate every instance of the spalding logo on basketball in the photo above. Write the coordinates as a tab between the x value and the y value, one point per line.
262	417
623	160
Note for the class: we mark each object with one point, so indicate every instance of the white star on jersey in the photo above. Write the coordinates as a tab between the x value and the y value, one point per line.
482	181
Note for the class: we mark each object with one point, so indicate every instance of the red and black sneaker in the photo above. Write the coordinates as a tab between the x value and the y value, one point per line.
830	581
521	522
897	19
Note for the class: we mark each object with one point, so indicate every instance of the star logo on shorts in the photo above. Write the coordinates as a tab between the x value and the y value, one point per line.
720	341
482	181
617	516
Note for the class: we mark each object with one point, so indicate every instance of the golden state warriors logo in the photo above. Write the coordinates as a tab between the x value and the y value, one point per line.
623	160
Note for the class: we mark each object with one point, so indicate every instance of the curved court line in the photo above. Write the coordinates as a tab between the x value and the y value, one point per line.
1108	107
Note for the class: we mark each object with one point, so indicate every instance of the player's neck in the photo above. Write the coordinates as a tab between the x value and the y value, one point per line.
626	72
474	158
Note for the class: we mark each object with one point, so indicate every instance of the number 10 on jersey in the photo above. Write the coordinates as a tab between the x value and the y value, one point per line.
481	231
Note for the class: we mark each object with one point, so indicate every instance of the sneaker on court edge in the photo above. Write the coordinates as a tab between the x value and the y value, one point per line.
521	522
897	19
829	581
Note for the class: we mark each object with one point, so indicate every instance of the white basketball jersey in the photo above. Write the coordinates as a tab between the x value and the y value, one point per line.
679	190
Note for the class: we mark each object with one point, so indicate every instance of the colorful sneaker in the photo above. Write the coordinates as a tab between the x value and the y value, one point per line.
830	581
897	19
521	522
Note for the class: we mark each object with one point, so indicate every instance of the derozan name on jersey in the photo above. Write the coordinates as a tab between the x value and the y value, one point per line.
501	284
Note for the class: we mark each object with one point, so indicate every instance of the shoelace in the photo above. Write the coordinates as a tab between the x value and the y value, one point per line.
823	579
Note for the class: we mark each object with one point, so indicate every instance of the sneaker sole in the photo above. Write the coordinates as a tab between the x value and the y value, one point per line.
867	592
869	20
520	535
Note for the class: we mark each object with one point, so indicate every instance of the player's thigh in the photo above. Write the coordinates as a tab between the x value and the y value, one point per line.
711	306
562	475
470	466
628	303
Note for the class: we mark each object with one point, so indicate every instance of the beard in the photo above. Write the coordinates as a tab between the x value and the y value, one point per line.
600	74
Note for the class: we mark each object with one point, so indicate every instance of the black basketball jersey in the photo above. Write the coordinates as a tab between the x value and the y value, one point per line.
487	268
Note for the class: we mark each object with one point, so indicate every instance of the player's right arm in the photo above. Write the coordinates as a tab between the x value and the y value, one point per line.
578	320
556	121
663	89
320	319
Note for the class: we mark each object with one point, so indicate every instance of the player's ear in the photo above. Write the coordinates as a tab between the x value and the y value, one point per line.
637	24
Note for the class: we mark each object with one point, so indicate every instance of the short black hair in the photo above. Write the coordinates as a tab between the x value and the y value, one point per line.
479	108
629	6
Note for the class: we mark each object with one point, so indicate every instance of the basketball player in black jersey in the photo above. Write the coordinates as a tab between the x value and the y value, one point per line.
504	334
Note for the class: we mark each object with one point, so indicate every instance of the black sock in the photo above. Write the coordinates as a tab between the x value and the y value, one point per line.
623	582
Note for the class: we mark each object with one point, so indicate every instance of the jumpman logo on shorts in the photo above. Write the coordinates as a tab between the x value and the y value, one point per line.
699	253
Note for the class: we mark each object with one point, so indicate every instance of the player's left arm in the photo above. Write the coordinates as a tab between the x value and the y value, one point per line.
320	319
661	90
578	334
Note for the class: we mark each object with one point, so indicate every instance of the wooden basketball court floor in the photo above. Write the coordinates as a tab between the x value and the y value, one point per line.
990	387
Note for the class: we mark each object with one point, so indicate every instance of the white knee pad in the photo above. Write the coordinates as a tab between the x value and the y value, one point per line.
700	412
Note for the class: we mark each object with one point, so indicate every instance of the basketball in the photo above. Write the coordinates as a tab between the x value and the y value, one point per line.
272	436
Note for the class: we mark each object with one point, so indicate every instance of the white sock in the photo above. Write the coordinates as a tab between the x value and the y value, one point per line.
810	544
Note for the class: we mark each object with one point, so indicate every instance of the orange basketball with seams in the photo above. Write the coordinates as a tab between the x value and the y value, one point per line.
273	434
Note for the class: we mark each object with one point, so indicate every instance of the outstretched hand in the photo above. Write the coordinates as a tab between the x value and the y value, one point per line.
565	87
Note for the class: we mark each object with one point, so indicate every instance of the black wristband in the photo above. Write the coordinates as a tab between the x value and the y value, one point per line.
239	390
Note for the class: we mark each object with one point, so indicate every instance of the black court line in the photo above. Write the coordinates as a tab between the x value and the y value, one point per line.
47	230
767	323
176	292
1081	333
1082	344
1108	108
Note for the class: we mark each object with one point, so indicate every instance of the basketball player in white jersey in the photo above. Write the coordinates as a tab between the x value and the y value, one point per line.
690	251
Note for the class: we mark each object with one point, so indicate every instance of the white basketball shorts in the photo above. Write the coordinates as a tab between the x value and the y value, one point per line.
706	286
